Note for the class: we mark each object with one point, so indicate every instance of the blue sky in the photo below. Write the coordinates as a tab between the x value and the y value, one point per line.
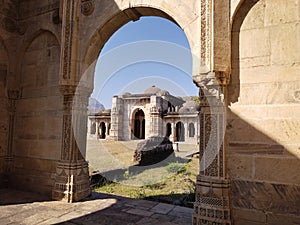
150	51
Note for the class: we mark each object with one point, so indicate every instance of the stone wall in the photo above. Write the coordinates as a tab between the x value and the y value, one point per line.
264	113
37	137
4	117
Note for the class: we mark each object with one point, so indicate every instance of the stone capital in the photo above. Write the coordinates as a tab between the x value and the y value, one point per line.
211	79
68	89
222	77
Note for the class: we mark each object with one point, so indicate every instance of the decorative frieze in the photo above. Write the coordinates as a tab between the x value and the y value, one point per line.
67	39
212	204
71	181
206	35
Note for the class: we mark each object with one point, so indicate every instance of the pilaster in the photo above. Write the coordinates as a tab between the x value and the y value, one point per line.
156	122
72	174
212	204
13	96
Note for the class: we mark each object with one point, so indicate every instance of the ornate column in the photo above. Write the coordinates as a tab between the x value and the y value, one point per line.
156	122
13	96
72	174
97	129
212	204
186	131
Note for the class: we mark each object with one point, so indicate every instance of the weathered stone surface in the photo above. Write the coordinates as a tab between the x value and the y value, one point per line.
263	121
153	150
265	196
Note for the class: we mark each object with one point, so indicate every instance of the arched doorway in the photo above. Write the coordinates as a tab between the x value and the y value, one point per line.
180	132
168	130
139	124
102	130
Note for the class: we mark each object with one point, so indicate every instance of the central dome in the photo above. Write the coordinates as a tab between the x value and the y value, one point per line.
152	90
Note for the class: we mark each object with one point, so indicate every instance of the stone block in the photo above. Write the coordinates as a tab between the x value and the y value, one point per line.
162	208
256	16
249	215
240	166
140	212
279	219
258	39
265	196
30	105
26	164
285	45
280	12
277	169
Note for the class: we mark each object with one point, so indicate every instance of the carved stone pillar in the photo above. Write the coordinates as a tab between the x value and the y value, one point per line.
173	132
72	174
156	122
212	204
13	96
97	129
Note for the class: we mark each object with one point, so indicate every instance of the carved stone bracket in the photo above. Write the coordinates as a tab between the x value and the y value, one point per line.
223	78
211	88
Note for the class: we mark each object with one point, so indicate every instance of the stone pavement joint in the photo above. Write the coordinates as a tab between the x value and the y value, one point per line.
19	207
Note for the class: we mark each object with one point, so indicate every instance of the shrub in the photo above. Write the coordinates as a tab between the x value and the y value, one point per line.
176	167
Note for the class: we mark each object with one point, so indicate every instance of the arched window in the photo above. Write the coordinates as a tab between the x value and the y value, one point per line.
168	130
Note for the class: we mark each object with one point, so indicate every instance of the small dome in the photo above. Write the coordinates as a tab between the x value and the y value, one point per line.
152	90
163	93
126	94
189	106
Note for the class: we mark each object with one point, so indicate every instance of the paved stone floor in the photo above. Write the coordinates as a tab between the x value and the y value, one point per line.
17	207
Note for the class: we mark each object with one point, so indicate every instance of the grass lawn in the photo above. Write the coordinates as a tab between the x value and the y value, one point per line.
171	181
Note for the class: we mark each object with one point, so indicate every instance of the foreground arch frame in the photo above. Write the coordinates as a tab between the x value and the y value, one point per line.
43	110
81	46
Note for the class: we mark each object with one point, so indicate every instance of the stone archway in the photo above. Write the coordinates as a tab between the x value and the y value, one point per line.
102	130
168	129
138	124
81	45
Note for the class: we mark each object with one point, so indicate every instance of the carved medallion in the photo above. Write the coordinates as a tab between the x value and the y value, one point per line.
87	7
